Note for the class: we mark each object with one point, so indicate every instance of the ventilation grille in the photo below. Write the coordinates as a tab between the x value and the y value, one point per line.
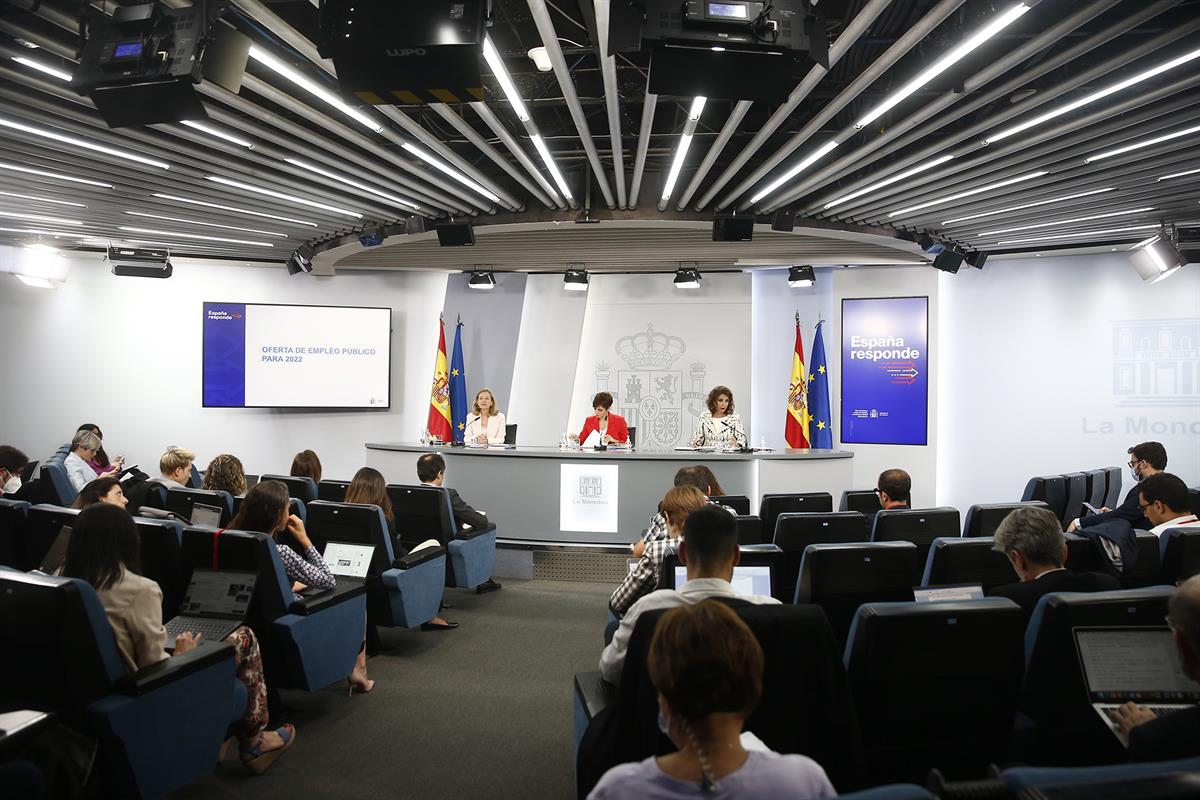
553	565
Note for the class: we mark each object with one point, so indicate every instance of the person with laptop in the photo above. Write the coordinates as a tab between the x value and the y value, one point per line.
1176	735
698	476
101	490
12	461
1165	501
104	552
1032	540
709	550
646	575
431	471
1145	459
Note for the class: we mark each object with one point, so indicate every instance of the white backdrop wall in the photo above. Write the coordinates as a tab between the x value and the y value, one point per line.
125	353
1055	365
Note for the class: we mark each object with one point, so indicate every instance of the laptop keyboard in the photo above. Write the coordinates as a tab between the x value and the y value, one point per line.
213	630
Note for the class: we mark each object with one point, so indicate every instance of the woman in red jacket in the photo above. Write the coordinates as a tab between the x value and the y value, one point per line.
611	426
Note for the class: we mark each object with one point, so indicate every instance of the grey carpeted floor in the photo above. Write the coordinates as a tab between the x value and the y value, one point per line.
482	711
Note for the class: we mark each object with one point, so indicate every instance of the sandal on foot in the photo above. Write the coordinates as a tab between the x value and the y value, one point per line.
258	761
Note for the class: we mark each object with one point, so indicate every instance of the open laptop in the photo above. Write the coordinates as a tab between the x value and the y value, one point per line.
208	516
942	594
1138	664
346	560
28	470
746	579
215	604
57	554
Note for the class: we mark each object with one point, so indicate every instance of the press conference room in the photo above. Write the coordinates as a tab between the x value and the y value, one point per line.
600	399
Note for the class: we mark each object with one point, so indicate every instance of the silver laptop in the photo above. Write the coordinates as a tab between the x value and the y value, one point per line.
347	560
942	594
747	580
208	516
215	605
1138	664
57	554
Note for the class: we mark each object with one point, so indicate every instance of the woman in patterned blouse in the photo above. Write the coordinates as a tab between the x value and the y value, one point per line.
719	426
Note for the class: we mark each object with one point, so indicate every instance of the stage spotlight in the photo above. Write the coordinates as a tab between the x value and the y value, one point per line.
482	279
949	260
373	236
687	278
301	260
801	277
575	280
977	259
1157	259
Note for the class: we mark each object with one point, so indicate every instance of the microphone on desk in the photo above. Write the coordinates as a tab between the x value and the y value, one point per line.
743	445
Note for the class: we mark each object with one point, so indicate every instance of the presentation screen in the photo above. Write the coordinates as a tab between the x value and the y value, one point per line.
885	379
280	356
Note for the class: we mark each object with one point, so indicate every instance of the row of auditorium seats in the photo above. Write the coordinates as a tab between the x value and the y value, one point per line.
951	686
1066	494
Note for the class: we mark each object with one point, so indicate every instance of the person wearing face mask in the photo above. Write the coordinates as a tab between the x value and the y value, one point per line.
708	669
12	461
1145	459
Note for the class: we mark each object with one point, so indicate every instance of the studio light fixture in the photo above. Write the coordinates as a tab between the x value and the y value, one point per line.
58	176
40	67
575	280
86	144
540	146
446	169
959	195
176	198
945	62
289	198
372	236
1071	221
205	224
1144	143
687	278
899	176
40	218
197	236
36	266
977	259
217	133
804	164
348	182
1023	206
1157	259
40	199
300	260
496	65
321	93
801	277
482	280
1091	98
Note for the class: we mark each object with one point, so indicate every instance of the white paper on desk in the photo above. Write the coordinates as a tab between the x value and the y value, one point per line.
593	440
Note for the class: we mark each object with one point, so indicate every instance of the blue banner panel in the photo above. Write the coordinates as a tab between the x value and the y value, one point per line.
885	378
224	355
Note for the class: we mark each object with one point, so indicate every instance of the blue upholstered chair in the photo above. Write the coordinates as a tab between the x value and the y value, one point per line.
1180	552
13	514
162	560
180	502
424	512
966	560
159	728
54	472
296	507
935	685
984	518
1115	781
303	489
41	529
894	791
401	592
306	644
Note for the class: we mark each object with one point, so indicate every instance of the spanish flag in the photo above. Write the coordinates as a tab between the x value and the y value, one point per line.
795	430
439	398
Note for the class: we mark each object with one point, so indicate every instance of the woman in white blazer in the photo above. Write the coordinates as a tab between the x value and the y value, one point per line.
486	425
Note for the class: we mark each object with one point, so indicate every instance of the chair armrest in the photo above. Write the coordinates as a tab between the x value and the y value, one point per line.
340	594
175	668
471	534
593	692
418	557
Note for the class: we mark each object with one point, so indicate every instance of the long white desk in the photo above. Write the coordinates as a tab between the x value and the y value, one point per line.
521	489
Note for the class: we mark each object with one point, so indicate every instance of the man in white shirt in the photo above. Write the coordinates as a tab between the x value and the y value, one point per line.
709	549
1166	503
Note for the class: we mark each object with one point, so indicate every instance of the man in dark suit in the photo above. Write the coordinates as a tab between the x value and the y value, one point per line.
1145	459
1032	538
431	471
1176	735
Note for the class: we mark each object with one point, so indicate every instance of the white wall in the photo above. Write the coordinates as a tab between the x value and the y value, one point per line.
1031	364
125	353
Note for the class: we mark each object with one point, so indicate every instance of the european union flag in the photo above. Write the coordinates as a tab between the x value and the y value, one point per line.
820	429
458	387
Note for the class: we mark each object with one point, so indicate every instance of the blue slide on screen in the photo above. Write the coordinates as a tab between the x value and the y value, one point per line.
885	375
287	356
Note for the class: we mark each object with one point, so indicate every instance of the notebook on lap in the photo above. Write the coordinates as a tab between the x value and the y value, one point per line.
215	605
1138	664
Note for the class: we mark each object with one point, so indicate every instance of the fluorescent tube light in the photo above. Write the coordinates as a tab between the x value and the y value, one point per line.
1081	235
1066	221
496	64
205	224
290	198
343	179
440	165
685	142
949	198
58	176
42	232
268	60
697	108
40	218
40	67
41	199
38	283
908	173
540	146
1093	97
945	62
1010	209
1166	137
45	133
234	209
804	164
202	237
218	133
1178	174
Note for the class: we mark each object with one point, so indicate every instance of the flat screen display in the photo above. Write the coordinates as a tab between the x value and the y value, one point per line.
728	10
128	50
885	370
291	356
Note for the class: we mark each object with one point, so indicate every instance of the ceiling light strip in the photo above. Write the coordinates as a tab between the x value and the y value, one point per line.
40	67
44	133
289	198
1071	221
804	164
361	186
959	195
219	134
496	64
908	173
39	218
1081	235
540	146
55	175
681	149
1024	206
205	224
41	199
199	236
446	169
1166	137
1178	174
271	62
234	209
